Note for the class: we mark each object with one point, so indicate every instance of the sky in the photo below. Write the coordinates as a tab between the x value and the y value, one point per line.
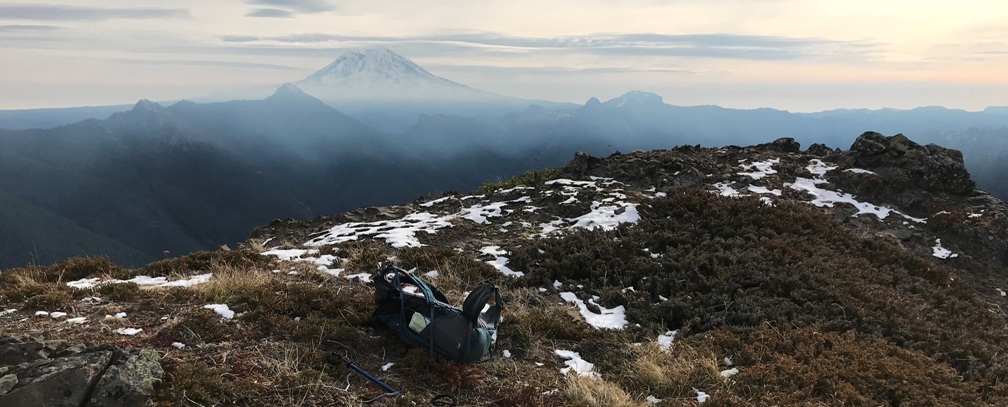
797	55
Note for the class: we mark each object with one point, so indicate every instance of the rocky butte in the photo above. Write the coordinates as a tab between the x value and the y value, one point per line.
758	275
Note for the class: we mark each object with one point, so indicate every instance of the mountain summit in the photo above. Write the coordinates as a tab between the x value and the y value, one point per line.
380	74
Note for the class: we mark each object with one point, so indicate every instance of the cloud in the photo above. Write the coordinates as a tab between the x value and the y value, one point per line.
225	64
270	13
15	28
722	46
50	12
300	6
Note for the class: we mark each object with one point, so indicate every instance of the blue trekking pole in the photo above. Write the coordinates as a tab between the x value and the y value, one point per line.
389	391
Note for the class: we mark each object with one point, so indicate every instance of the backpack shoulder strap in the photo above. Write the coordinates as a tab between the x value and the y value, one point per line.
477	299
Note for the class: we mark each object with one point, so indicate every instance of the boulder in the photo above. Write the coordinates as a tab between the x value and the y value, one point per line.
129	383
51	373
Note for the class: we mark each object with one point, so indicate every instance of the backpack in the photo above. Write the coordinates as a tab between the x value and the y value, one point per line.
424	318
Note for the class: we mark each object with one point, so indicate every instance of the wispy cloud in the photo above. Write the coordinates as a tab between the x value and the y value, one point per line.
270	13
48	12
300	6
725	46
211	63
22	28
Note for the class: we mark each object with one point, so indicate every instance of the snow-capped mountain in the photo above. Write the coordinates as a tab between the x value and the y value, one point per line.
382	75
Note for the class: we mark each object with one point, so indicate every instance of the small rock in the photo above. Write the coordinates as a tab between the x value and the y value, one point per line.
130	383
7	383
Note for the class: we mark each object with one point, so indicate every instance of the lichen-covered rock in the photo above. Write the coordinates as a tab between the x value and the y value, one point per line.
53	373
58	382
129	383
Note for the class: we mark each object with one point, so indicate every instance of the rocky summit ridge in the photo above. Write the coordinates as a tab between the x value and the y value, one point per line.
756	275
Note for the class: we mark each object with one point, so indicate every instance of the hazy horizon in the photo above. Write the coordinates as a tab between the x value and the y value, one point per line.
793	55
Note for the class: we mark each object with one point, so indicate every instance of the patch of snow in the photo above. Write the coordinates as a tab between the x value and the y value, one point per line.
77	320
120	315
760	169
178	345
429	204
729	372
432	274
576	363
57	315
827	198
727	361
859	171
557	284
286	254
91	300
363	277
763	190
500	263
607	217
663	298
571	200
157	282
397	233
506	353
84	283
331	272
725	189
1000	291
701	396
818	167
652	400
607	318
941	252
41	313
387	366
129	331
8	311
479	213
665	341
660	195
221	309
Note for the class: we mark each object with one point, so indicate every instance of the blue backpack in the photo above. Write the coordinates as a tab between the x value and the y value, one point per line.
423	317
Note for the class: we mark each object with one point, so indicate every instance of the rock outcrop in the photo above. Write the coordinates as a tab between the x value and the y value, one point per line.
50	373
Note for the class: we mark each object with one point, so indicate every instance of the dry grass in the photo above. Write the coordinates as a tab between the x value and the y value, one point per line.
672	372
596	392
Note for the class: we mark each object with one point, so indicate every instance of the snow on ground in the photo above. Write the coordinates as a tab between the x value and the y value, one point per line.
500	262
8	311
129	331
665	341
434	202
729	372
725	189
397	233
941	252
575	363
57	315
759	169
652	400
607	318
77	320
607	217
221	309
363	277
178	345
479	213
818	167
158	282
859	171
763	190
701	396
827	198
506	353
387	366
119	315
1001	292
